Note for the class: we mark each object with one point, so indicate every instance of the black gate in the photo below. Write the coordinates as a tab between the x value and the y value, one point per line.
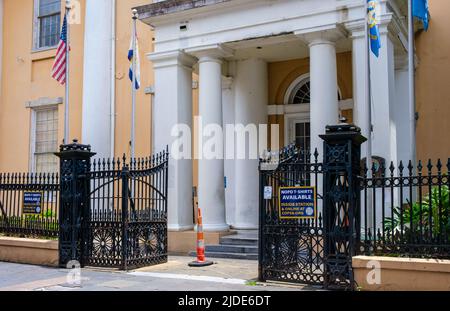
290	250
127	221
113	212
316	250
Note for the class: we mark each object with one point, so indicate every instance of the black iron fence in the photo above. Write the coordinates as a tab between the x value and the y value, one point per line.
29	204
405	210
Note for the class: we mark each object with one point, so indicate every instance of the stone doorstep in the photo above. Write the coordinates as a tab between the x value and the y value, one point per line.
398	263
29	243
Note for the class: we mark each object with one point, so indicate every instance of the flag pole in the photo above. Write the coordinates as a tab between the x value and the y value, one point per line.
368	94
370	208
412	87
133	88
66	102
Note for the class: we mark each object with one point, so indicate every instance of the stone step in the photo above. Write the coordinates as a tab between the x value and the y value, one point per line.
240	241
245	256
222	248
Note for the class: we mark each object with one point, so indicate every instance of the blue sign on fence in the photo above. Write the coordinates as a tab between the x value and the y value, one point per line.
32	203
297	202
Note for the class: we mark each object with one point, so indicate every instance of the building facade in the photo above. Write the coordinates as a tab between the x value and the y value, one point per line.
299	65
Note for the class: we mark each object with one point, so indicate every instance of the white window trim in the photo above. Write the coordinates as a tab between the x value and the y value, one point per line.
36	32
289	121
34	110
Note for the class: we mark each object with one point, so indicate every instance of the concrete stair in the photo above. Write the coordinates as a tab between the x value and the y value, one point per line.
242	245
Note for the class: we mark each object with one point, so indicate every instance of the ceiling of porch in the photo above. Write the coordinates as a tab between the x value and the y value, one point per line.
277	48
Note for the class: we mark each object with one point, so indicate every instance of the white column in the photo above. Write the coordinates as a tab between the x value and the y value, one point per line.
402	112
211	187
251	100
384	142
229	164
324	87
97	82
359	59
173	107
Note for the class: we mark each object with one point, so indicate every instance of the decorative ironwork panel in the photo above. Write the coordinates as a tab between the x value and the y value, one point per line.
127	221
342	155
74	186
291	250
104	244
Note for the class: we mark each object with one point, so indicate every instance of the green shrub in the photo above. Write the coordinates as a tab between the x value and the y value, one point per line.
417	215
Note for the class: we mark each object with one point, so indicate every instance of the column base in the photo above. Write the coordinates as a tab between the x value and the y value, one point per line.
215	227
177	227
244	226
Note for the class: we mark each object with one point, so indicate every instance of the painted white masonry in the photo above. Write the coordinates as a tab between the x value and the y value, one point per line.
384	137
324	108
251	100
359	59
173	105
211	184
405	151
96	125
228	106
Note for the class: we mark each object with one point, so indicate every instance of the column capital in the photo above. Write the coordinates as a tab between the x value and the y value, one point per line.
327	34
356	28
212	52
171	58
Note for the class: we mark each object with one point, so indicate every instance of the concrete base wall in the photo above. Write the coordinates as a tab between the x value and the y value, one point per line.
182	242
402	274
29	251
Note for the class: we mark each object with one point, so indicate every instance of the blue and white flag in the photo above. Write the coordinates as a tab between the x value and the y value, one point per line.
420	11
373	15
138	63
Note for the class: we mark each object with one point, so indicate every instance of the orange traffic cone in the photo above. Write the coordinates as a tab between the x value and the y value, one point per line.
201	260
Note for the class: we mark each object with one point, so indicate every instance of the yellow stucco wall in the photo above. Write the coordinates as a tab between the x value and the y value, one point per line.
283	74
123	84
432	84
26	77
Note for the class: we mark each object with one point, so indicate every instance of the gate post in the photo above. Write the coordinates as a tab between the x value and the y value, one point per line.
124	175
341	202
74	201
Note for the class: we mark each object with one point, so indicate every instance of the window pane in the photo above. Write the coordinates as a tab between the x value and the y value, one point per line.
302	135
46	143
47	7
49	30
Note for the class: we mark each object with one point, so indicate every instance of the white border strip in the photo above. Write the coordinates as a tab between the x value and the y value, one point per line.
189	277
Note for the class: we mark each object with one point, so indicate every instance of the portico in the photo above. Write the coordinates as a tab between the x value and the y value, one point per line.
299	65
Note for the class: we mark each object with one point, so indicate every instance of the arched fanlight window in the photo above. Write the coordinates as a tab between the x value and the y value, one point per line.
301	94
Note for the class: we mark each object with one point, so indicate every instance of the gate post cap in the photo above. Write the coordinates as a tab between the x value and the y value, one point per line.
342	132
343	127
68	150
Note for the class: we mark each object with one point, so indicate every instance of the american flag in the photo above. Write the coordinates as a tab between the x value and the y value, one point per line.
59	67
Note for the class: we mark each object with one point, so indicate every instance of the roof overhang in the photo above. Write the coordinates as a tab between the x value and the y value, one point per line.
154	12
